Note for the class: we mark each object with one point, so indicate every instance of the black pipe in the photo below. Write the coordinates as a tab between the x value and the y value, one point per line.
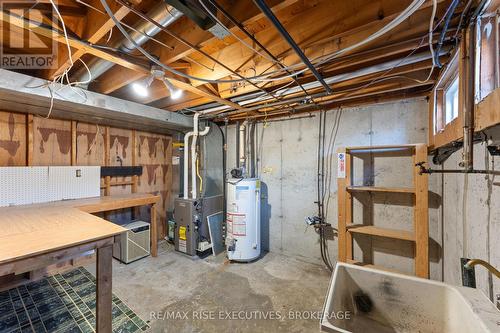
192	46
270	15
484	172
447	20
259	44
237	145
224	169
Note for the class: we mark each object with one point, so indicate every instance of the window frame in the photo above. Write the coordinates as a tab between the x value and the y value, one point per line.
440	133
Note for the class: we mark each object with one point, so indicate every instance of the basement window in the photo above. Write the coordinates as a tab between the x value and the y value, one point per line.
451	101
447	96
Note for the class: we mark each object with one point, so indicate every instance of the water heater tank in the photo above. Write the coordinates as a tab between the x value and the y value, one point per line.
243	219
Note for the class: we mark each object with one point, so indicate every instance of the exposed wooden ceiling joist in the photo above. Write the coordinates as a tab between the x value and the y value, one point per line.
416	26
119	59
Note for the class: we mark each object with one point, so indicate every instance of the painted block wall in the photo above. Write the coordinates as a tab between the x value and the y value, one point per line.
51	144
288	158
287	166
470	217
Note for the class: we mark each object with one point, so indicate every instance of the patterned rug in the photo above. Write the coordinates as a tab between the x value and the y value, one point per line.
61	303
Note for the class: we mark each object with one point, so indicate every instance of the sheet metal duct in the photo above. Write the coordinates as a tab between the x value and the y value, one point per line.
161	13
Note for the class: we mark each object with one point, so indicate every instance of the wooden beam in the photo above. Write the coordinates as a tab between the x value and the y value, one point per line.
154	231
246	12
382	96
73	142
415	26
119	59
104	273
46	259
97	26
29	139
421	214
107	161
64	9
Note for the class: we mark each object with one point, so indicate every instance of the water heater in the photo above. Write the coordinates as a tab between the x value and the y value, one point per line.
243	219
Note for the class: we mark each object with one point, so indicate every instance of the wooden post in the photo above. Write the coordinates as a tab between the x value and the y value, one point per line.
73	142
154	232
107	143
135	179
104	289
348	204
421	215
29	140
134	160
344	210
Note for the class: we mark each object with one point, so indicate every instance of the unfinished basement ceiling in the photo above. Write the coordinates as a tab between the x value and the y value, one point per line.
224	40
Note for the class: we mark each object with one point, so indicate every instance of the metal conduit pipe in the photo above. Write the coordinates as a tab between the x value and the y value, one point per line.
161	13
315	84
261	4
185	191
468	52
194	158
186	155
237	145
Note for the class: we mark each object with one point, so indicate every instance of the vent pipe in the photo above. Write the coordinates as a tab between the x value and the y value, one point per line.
142	32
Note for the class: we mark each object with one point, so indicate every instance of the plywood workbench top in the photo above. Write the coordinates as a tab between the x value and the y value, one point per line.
30	230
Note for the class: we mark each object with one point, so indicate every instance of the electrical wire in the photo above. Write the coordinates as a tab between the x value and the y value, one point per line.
209	12
125	25
431	34
196	48
271	57
264	78
382	76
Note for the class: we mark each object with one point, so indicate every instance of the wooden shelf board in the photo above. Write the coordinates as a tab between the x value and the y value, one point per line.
383	147
380	189
358	263
381	232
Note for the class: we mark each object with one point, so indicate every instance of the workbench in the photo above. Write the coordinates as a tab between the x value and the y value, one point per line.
39	235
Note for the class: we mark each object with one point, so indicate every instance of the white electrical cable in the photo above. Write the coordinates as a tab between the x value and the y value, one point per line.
382	77
60	78
209	12
64	30
264	78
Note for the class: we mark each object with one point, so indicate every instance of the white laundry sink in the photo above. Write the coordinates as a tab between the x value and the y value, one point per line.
363	299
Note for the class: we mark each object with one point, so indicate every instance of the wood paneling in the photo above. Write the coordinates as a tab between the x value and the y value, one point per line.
12	139
487	112
53	141
154	152
89	144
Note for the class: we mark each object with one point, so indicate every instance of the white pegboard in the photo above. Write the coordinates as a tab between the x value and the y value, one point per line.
74	182
28	185
23	185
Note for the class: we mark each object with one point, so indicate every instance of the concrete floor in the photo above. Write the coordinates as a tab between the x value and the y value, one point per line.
174	293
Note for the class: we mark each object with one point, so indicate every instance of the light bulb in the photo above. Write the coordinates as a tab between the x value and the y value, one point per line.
140	89
176	93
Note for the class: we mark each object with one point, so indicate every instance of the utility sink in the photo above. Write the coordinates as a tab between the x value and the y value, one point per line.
362	299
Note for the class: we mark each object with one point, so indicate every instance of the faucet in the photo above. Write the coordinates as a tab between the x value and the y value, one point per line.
473	262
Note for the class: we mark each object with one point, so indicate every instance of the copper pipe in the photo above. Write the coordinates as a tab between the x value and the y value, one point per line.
473	262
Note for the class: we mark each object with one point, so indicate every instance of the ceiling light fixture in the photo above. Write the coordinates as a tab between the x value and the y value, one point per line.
141	87
174	92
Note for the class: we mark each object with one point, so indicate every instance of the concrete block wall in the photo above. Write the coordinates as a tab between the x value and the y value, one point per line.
287	167
470	217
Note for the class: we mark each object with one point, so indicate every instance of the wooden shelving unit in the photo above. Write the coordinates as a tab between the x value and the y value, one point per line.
420	234
380	189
